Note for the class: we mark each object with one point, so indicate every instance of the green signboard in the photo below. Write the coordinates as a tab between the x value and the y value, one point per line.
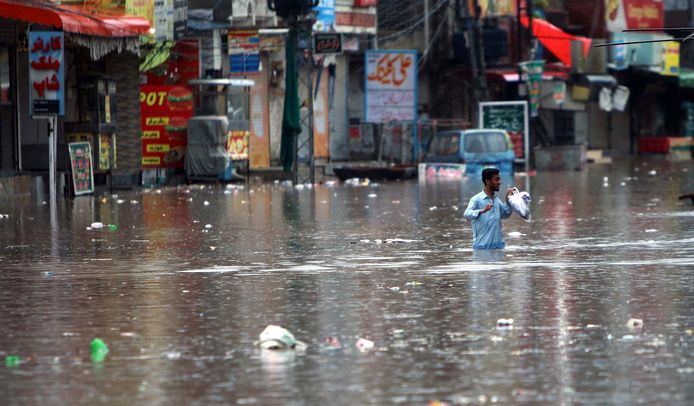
532	71
511	116
82	172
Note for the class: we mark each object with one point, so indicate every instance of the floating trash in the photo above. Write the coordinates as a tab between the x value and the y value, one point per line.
504	323
99	349
332	341
206	203
635	323
97	225
279	338
12	361
364	344
515	234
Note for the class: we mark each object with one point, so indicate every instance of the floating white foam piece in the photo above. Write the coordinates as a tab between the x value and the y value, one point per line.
364	344
635	323
515	234
651	230
208	226
652	172
97	225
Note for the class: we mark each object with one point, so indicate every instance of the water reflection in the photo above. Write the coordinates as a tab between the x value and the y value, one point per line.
182	287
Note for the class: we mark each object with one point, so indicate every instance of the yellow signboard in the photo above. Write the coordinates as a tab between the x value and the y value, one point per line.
141	8
151	160
670	65
151	135
157	147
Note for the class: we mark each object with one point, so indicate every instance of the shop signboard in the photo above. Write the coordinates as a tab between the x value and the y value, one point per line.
391	85
670	65
488	8
532	72
511	116
165	110
82	171
325	18
46	73
629	14
327	43
244	51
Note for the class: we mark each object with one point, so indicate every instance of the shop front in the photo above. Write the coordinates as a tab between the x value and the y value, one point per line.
94	78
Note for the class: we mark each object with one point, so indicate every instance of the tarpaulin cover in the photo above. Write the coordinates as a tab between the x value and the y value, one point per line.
555	39
207	155
76	19
291	118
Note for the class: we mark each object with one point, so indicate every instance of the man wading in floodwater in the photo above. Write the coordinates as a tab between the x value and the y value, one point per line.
486	211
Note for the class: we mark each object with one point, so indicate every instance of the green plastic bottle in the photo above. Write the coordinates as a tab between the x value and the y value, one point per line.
12	361
99	350
112	227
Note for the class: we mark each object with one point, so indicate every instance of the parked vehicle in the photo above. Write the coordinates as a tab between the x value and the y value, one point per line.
458	153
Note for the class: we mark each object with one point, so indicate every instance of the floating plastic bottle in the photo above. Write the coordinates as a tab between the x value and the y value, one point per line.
12	361
99	350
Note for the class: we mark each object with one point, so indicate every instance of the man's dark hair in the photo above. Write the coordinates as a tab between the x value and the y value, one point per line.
488	174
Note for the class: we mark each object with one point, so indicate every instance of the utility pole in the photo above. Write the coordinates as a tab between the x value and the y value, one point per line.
475	52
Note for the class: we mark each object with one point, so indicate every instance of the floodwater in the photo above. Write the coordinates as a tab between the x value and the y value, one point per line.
182	286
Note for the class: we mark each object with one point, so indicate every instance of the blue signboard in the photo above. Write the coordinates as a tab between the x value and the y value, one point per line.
46	73
325	21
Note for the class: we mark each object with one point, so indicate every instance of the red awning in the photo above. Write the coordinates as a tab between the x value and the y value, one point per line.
555	40
74	19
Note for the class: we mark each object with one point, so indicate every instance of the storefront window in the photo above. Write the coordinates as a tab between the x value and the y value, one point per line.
4	75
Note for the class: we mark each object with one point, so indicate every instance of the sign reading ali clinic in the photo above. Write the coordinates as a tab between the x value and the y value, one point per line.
46	73
391	85
627	14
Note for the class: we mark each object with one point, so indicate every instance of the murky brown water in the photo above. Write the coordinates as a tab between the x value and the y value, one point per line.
180	303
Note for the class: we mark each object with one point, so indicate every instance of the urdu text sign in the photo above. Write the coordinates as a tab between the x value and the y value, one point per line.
46	73
391	86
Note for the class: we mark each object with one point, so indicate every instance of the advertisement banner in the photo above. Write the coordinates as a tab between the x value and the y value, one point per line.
624	14
46	73
165	111
670	66
490	8
82	171
532	70
325	20
244	51
140	8
237	144
391	86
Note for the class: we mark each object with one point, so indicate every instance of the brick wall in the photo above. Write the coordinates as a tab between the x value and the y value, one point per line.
124	67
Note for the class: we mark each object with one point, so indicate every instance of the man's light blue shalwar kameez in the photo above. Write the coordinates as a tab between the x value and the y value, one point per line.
486	227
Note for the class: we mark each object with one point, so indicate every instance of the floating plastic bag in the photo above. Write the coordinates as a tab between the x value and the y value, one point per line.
520	203
278	338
